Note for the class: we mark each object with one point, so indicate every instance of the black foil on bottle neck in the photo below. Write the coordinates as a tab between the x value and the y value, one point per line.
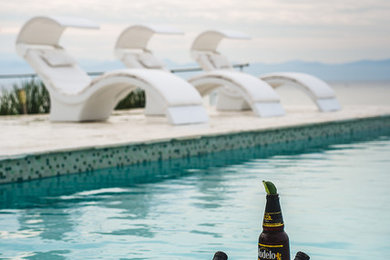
273	213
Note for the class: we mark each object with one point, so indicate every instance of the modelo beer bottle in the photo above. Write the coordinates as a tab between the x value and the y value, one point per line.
273	241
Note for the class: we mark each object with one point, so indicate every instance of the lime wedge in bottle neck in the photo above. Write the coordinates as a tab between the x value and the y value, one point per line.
270	188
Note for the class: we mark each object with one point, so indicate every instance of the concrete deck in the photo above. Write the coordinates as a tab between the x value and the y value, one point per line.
35	134
32	147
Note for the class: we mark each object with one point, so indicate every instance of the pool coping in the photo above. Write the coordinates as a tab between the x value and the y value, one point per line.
187	137
35	165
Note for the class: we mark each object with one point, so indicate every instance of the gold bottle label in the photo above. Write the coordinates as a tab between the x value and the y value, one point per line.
273	219
270	252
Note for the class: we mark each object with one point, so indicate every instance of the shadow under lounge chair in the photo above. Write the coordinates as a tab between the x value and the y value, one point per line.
75	96
235	90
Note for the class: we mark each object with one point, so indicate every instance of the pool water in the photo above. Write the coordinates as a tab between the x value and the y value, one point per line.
335	203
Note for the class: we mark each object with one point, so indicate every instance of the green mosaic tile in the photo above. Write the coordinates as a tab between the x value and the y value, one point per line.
62	163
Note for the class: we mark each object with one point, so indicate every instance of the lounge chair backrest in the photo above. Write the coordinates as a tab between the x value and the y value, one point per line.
130	59
209	61
142	60
204	62
149	61
219	61
57	69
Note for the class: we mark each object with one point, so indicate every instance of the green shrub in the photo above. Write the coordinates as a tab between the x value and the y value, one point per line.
9	103
38	99
133	100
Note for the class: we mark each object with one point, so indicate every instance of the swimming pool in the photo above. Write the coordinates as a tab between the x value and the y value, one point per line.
335	202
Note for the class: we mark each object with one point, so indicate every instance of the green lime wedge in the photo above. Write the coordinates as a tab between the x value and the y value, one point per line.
270	188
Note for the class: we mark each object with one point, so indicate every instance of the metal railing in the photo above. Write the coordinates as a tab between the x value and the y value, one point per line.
16	76
181	70
240	66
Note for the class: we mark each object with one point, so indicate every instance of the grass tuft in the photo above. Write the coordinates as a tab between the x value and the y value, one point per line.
31	97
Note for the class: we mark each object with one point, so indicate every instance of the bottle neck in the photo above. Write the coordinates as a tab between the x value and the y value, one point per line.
273	229
273	219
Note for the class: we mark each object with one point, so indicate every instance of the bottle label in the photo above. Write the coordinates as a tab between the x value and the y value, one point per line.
273	219
267	252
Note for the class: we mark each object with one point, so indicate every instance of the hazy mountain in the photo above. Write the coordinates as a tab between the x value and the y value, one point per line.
367	70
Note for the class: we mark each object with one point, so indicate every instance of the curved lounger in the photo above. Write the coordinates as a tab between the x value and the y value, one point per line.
131	49
320	92
243	91
236	90
76	97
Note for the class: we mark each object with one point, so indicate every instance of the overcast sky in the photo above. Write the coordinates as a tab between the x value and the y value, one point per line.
332	31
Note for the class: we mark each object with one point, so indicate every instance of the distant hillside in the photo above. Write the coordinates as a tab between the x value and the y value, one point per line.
361	70
364	70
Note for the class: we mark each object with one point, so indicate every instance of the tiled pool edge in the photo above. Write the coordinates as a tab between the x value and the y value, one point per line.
57	163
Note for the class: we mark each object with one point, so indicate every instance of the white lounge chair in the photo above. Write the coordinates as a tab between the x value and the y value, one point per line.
75	96
236	90
205	52
319	91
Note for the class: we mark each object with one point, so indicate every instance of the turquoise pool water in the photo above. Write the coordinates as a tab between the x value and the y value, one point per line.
335	202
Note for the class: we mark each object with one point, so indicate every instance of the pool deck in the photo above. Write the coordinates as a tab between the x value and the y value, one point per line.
35	134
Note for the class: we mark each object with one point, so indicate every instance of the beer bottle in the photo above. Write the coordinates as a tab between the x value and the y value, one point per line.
273	241
301	256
